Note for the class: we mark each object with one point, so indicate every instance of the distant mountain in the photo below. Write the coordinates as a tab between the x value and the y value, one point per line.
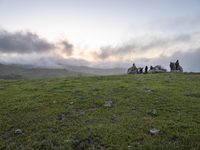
31	72
97	71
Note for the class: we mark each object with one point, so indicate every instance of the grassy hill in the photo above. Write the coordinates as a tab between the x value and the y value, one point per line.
70	113
31	72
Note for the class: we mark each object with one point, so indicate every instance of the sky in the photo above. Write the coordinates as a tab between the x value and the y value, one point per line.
100	33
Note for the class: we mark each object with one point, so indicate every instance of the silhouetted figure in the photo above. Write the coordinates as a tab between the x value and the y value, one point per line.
177	64
146	69
151	68
141	70
172	66
176	67
133	69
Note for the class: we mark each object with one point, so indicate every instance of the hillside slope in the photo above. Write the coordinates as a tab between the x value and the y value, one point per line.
70	113
32	72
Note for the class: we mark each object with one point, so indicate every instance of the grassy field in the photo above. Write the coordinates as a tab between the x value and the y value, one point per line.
69	113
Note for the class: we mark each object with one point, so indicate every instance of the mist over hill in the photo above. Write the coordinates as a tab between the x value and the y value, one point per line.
16	71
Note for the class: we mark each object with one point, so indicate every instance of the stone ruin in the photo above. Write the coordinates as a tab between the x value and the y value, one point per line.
175	67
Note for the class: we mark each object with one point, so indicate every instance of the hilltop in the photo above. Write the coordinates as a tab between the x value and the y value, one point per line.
74	112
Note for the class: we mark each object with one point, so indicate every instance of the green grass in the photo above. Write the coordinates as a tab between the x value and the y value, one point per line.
69	113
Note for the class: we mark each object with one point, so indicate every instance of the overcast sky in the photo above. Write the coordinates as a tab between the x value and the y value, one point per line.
100	33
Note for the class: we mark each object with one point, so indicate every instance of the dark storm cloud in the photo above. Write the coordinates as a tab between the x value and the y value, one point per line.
142	46
67	48
23	42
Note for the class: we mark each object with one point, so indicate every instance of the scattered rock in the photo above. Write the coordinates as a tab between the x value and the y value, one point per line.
152	112
148	90
134	108
108	103
18	131
154	131
62	117
71	103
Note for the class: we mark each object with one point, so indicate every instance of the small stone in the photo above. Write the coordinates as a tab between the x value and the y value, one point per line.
108	103
18	131
147	90
154	131
54	102
62	118
152	112
71	103
134	108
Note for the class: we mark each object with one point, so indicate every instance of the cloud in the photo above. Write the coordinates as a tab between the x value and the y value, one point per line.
23	42
145	45
67	48
48	61
189	60
108	51
16	48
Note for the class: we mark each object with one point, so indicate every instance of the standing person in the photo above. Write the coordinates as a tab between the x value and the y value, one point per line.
177	64
146	69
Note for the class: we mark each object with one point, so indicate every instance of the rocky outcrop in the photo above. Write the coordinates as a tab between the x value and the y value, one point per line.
175	67
157	69
133	69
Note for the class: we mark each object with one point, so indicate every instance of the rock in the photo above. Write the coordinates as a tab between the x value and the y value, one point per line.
148	90
62	117
175	66
140	70
108	103
157	69
18	131
154	131
132	70
152	112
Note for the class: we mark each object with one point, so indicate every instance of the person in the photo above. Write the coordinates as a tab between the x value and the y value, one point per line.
146	69
177	64
151	68
141	70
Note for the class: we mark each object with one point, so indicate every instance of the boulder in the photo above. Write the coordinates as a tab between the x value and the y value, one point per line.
132	70
175	67
157	69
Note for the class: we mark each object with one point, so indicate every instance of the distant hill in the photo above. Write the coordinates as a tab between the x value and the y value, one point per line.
31	72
